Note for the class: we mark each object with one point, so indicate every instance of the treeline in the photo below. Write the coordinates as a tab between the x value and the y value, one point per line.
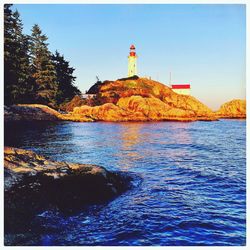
33	74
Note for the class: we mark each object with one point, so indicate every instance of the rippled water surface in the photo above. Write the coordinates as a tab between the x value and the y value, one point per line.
189	182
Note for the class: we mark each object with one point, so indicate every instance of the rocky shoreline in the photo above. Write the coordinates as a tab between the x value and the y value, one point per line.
33	184
128	99
235	109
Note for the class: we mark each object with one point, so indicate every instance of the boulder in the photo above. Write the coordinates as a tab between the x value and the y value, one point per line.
33	184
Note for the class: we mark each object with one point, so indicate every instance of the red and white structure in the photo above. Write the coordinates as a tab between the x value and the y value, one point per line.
132	67
182	89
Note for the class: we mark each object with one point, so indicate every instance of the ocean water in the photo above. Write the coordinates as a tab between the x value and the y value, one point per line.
189	182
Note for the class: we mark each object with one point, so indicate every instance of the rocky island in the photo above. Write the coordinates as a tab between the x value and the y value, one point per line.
129	99
233	109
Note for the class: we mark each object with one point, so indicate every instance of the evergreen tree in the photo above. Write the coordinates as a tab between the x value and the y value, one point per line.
17	87
31	72
9	73
65	79
43	70
23	91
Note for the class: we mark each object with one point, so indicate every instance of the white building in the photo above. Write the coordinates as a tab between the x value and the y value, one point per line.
182	89
132	67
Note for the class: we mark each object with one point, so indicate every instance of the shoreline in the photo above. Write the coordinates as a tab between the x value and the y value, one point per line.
38	112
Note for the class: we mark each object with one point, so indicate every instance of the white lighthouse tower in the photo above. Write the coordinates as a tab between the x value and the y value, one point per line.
132	69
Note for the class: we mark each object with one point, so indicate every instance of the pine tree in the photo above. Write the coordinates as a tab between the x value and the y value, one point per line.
65	79
17	79
10	77
43	70
31	72
23	91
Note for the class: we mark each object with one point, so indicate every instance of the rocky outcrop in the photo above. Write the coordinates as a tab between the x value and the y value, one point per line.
30	112
38	112
138	108
77	101
233	109
33	184
130	99
142	99
185	108
105	112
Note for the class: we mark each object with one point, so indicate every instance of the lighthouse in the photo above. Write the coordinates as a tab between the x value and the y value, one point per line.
132	69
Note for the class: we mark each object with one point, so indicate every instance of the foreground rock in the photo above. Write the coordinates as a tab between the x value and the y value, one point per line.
232	109
33	184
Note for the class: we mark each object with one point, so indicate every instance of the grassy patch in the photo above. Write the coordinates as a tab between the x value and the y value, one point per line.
131	84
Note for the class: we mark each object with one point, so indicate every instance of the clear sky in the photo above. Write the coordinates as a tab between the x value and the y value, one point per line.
203	45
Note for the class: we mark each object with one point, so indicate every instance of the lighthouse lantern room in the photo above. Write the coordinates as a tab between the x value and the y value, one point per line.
132	69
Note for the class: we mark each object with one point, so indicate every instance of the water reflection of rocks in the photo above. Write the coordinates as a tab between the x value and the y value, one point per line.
138	143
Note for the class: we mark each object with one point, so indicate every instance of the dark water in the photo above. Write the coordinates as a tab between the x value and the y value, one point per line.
189	189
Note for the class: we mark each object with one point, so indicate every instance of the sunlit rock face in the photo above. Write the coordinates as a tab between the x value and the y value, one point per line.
142	99
129	99
77	101
233	109
105	112
34	184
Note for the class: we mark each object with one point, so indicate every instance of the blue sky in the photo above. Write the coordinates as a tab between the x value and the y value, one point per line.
203	45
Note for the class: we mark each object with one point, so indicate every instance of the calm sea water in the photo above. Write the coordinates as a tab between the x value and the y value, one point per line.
189	183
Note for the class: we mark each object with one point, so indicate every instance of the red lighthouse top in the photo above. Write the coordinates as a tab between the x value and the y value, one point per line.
132	52
132	46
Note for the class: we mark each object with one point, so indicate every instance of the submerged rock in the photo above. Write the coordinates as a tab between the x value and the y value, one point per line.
33	184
